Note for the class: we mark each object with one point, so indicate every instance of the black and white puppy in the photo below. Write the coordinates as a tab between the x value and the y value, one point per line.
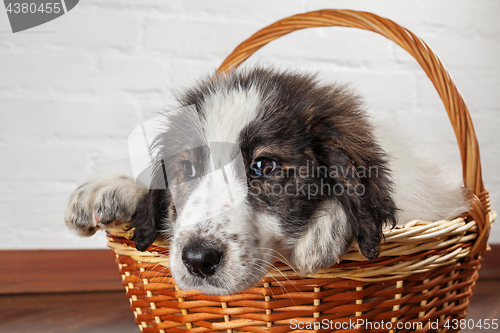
314	176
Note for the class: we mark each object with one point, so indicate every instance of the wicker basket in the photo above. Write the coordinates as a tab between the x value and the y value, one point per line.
425	274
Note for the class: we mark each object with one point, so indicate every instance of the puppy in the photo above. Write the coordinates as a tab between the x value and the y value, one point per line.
263	166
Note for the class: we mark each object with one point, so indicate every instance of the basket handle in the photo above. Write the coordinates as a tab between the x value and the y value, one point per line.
430	63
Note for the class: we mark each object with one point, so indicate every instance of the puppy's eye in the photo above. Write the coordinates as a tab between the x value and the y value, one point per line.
264	166
189	169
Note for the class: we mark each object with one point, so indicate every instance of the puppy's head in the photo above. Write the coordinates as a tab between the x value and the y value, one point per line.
267	166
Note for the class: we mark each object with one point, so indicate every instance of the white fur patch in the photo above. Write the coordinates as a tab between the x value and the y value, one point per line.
227	113
424	187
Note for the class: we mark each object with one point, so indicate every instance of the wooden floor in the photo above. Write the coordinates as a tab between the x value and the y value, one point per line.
67	313
109	312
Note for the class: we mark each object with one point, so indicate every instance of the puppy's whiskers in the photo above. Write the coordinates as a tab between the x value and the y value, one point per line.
260	269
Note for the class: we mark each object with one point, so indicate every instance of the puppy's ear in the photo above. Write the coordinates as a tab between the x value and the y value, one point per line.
147	220
377	209
364	190
371	206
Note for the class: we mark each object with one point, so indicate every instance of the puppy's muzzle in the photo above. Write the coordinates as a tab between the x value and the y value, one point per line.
201	259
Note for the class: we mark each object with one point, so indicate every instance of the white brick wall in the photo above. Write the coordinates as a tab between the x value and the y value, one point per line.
72	89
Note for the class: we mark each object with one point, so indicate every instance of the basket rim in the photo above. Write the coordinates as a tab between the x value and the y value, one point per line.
415	247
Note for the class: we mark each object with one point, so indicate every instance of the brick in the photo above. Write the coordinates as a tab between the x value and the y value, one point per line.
47	122
43	71
134	73
30	162
196	41
484	17
243	10
96	27
188	71
165	6
457	19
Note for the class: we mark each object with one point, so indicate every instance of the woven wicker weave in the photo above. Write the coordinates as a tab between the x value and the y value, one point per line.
425	273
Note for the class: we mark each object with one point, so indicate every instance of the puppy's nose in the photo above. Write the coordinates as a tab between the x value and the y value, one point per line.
201	260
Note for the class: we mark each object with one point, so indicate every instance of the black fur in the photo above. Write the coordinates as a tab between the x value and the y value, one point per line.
146	219
155	212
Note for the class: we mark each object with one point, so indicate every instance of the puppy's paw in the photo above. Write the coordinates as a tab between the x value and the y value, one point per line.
102	201
308	262
314	250
324	243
